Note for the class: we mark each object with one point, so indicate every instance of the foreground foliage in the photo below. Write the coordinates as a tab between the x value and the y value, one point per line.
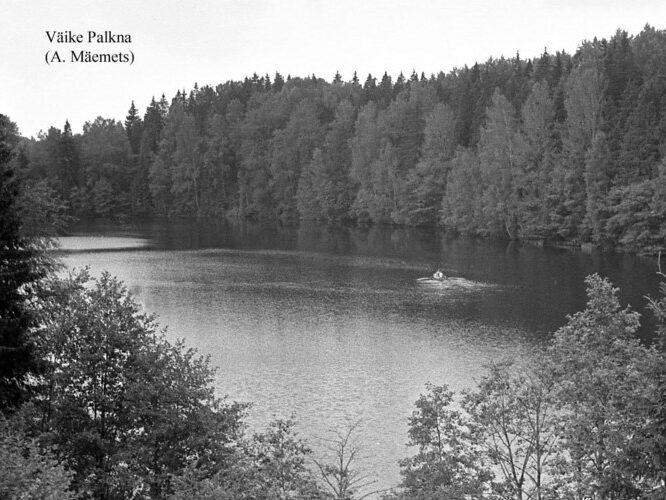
101	405
29	470
117	411
271	465
22	264
585	421
124	408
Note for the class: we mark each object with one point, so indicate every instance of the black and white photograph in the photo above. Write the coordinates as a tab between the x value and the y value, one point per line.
333	250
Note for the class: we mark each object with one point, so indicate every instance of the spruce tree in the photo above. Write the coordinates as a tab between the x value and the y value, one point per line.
278	82
68	162
20	265
133	128
139	192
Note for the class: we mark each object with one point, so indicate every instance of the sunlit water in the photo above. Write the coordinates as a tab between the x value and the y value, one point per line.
333	326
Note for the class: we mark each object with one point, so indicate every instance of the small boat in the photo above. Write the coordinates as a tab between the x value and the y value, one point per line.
437	277
451	283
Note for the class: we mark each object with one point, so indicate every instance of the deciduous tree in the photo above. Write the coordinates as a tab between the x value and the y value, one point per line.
125	408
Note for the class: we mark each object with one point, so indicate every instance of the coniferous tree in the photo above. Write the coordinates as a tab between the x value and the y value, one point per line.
246	159
69	167
153	123
399	84
278	82
384	91
469	94
21	264
139	190
133	129
370	88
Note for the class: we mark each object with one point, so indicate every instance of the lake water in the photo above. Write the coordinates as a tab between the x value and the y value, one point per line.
331	325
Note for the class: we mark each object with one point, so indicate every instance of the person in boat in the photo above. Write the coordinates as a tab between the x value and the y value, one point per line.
438	275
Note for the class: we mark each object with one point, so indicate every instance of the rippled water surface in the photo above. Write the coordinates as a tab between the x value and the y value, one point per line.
333	325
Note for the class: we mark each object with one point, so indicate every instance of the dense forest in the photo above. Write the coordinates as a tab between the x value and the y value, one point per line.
95	402
565	149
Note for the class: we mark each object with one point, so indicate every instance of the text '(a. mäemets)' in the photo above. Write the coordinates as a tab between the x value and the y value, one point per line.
89	38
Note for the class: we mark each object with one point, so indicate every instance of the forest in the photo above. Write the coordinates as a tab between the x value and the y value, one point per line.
561	149
95	402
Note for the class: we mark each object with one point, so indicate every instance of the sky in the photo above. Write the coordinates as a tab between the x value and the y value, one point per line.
176	43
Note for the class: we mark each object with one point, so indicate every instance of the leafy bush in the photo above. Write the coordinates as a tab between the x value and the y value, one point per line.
125	408
28	471
586	420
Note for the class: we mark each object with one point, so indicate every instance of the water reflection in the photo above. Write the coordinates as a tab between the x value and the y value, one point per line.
330	323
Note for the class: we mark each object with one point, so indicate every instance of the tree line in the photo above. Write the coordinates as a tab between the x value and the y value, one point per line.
95	402
560	148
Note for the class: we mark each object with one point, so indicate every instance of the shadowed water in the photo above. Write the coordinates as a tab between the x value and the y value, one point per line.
332	325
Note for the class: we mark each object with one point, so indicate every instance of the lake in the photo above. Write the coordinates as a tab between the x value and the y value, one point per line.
330	325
